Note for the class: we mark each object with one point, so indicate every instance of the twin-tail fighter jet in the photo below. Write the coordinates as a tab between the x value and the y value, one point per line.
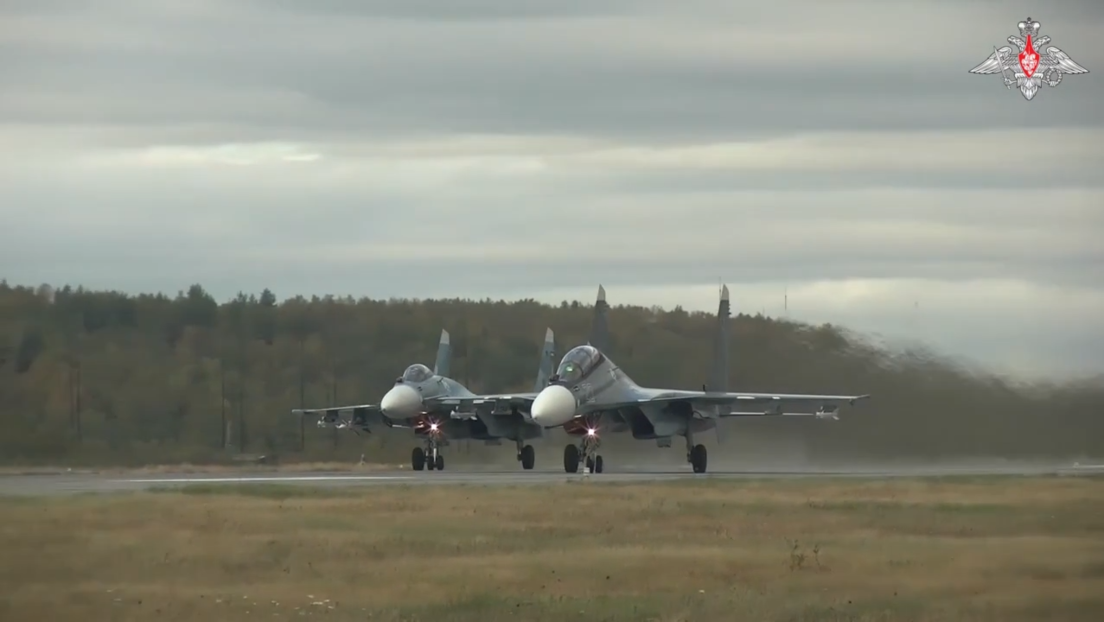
438	408
590	394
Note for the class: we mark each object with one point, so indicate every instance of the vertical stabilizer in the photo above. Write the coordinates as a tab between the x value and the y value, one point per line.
599	328
444	355
718	374
547	356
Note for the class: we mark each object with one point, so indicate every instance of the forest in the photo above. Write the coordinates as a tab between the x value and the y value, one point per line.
106	378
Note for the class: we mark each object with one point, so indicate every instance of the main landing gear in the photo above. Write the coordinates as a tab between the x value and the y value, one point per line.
526	455
696	455
429	457
588	451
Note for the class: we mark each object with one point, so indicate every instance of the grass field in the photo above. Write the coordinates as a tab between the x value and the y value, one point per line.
1000	549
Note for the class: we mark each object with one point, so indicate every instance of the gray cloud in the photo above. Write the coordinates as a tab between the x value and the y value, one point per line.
669	75
428	10
536	148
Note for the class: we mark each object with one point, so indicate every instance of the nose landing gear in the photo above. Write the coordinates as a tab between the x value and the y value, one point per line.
587	452
430	457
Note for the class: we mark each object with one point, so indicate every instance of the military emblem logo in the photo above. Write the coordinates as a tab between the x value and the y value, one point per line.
1033	66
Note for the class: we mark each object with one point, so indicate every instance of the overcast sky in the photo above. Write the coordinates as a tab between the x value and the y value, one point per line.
515	148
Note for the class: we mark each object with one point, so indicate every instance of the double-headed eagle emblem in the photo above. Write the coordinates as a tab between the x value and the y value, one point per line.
1032	66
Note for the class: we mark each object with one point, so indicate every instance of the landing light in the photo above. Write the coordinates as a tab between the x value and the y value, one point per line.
433	426
591	431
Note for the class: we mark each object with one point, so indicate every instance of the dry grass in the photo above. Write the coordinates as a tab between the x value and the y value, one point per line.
998	549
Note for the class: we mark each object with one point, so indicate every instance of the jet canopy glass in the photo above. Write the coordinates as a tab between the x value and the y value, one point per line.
577	363
417	373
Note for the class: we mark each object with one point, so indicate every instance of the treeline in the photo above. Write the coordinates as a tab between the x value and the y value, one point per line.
97	376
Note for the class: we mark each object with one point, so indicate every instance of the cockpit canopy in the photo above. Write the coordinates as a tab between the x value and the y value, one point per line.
417	373
577	363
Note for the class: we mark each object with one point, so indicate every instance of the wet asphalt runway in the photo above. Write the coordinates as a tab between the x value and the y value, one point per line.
78	483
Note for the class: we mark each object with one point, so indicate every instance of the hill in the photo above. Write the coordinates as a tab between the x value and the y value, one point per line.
103	377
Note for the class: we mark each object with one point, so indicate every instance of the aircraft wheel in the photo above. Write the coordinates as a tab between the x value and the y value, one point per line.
698	458
439	462
598	464
571	459
417	459
529	457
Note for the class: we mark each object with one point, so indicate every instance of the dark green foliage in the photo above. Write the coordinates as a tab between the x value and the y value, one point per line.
30	346
153	370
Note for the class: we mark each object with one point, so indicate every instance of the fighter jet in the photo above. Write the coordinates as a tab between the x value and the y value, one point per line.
590	394
438	408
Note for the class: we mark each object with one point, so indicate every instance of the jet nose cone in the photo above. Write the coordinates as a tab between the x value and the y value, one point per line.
555	405
400	401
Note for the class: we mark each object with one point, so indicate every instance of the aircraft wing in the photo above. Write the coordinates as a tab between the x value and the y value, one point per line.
359	416
501	403
738	404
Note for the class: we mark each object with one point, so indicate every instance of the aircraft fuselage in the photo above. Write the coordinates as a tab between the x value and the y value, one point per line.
600	381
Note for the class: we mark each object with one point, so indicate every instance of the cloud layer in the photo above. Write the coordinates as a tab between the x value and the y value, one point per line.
537	148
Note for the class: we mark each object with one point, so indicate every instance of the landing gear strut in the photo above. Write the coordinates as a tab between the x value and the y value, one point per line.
429	457
526	455
588	451
696	455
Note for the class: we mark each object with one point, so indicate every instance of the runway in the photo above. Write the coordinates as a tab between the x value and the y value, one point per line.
101	483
